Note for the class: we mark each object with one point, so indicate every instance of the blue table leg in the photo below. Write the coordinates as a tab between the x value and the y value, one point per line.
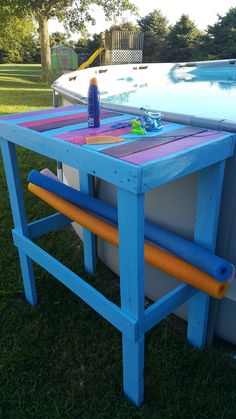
206	225
19	217
89	239
131	253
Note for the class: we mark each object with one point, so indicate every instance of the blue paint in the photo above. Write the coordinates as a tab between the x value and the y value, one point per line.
167	304
131	253
207	214
19	216
131	318
78	110
134	137
117	317
79	157
190	252
48	224
89	239
71	128
185	162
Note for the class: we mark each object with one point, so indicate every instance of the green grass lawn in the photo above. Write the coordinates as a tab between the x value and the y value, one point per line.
20	90
61	360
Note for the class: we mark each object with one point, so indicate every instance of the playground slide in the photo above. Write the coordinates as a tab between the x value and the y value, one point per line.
91	59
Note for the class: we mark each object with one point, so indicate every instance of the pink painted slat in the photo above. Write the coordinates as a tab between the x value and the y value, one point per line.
170	148
75	121
42	112
32	124
77	141
63	121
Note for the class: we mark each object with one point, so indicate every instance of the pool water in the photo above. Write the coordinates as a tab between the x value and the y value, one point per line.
210	94
203	89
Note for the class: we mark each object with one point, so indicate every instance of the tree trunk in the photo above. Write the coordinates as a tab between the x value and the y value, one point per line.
45	50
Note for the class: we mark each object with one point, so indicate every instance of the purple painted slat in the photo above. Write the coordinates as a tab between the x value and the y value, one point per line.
103	128
92	131
78	120
55	125
42	112
170	148
147	143
81	139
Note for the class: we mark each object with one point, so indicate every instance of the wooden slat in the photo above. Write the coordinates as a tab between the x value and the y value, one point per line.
148	143
123	321
158	152
42	112
55	123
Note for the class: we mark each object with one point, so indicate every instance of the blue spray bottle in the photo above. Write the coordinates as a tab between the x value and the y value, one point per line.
93	104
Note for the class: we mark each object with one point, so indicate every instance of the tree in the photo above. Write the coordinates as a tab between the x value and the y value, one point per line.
87	45
58	38
74	13
183	40
17	37
124	26
222	36
155	27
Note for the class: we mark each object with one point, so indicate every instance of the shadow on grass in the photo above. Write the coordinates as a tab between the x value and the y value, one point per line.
19	71
21	90
20	83
21	68
20	75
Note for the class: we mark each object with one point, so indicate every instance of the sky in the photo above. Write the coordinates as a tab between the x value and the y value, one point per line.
202	12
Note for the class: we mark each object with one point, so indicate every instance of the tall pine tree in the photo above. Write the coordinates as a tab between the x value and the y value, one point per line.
155	28
183	40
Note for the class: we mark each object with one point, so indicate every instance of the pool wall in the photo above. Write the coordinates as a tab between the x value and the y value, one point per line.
171	206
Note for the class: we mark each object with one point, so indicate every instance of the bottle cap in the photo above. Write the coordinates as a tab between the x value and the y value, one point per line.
93	82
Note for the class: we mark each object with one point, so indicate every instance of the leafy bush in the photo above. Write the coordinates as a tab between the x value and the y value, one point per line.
18	40
4	55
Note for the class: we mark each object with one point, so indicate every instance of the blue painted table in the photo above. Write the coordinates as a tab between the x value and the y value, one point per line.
134	167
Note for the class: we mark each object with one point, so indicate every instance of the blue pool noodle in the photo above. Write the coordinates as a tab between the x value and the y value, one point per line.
186	250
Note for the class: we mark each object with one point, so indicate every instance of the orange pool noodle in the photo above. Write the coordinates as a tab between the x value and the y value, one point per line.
154	255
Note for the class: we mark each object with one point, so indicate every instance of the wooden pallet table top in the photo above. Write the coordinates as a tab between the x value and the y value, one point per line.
138	164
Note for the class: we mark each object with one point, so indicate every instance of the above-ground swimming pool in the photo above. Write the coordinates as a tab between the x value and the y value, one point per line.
201	94
206	90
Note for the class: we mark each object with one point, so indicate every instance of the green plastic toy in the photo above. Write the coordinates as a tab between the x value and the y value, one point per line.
136	127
